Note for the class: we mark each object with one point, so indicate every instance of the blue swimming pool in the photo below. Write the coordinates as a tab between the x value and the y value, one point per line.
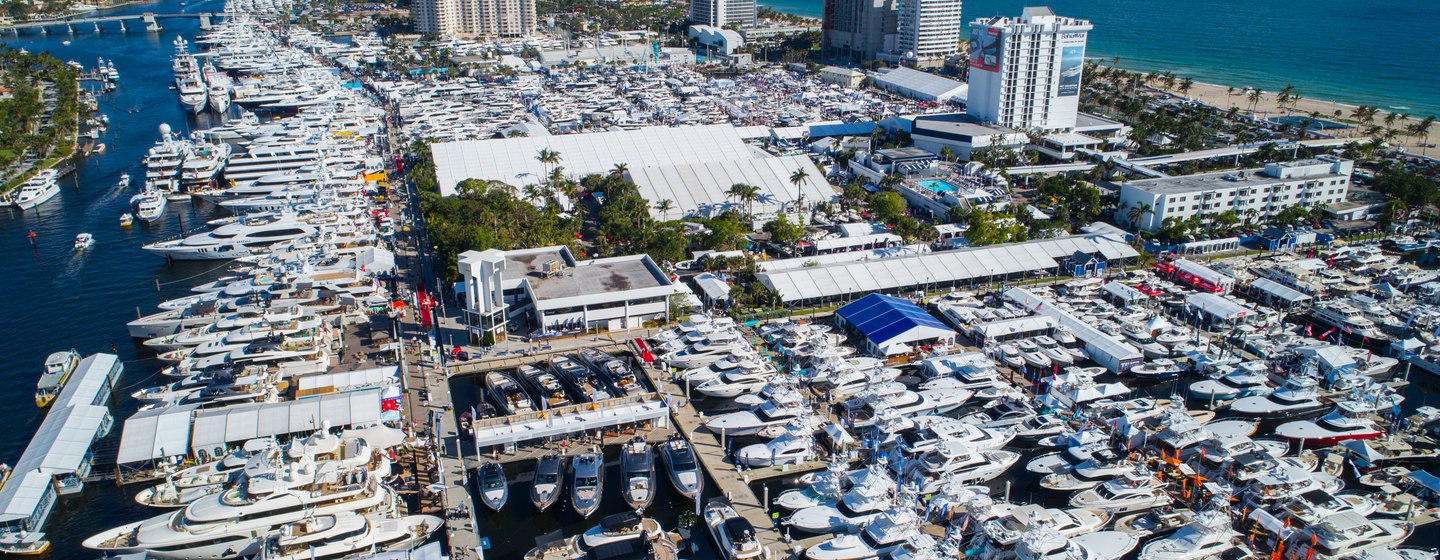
937	186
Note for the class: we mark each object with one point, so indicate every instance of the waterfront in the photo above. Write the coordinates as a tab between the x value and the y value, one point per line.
1266	44
58	298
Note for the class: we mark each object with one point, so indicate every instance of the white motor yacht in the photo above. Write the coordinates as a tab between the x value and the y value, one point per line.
36	190
734	536
1209	535
1006	530
149	204
1133	491
237	239
953	462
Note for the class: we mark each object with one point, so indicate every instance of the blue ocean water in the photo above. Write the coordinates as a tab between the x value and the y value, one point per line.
1383	53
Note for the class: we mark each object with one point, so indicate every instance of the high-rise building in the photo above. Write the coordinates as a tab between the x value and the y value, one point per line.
928	30
493	18
722	13
1025	72
857	30
436	17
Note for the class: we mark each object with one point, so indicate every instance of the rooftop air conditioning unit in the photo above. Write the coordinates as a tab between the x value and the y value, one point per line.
551	268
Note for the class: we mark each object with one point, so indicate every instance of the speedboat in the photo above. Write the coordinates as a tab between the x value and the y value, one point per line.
549	481
1237	384
734	535
637	467
585	485
789	449
36	190
1209	535
58	367
1154	522
84	241
545	385
494	490
680	465
622	526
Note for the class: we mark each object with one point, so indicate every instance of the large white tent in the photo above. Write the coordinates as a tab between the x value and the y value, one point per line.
702	188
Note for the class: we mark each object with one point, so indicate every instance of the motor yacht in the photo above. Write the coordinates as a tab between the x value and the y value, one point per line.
494	489
586	472
545	386
680	466
149	204
1006	530
1209	535
1238	384
1159	369
620	376
888	532
507	395
342	535
1154	522
1345	534
932	431
1010	355
791	448
778	408
584	384
1132	491
548	482
637	471
1351	420
953	462
734	536
36	190
623	526
1298	398
872	491
1051	545
244	237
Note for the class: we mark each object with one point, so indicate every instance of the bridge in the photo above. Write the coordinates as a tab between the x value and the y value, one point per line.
150	20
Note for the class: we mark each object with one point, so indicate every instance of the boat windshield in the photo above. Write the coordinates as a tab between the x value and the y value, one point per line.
587	482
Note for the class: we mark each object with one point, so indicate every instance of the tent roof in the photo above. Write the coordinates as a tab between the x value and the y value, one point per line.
887	320
156	433
1279	290
1222	307
245	422
1124	292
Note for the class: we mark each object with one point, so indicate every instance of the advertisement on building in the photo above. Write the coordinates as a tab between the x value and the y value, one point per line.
985	44
1072	62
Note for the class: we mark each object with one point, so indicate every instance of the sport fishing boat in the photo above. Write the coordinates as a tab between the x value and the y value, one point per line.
586	472
680	466
58	367
494	489
549	481
637	468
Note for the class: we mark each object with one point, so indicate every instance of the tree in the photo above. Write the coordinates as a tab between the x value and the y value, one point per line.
663	206
1185	86
783	232
1136	213
548	157
798	179
1255	96
1421	130
947	154
620	168
888	206
746	196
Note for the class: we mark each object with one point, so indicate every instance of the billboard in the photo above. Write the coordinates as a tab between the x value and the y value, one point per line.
985	46
1072	62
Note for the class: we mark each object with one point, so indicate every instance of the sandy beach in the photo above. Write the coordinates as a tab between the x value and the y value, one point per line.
1223	96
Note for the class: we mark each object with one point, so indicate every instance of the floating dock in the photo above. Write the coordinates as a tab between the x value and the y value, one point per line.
59	457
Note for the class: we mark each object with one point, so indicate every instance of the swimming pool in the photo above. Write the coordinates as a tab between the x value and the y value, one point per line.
937	186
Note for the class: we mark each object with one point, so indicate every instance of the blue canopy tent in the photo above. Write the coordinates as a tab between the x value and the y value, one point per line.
892	325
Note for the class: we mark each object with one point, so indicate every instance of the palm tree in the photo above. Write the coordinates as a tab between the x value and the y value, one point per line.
798	179
1185	86
1283	97
547	157
1137	213
663	205
1421	130
744	194
1255	96
620	169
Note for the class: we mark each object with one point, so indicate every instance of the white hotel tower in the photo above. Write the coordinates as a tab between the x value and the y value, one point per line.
1025	72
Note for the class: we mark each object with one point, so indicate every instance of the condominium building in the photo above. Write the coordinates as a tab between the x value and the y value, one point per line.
855	31
1253	193
927	30
436	17
492	18
1025	72
722	13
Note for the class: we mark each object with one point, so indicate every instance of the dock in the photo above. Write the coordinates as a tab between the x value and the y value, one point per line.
60	455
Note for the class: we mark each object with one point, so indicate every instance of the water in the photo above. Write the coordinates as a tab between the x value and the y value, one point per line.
56	298
1258	43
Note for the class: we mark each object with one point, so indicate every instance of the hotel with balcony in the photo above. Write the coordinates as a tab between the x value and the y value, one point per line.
1310	183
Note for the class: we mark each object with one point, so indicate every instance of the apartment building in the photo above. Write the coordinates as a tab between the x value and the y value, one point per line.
1254	193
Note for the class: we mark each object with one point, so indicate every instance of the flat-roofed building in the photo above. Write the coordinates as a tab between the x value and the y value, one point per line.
1316	182
551	291
921	86
963	134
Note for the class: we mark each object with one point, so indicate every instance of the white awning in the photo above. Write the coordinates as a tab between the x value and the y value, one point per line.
156	433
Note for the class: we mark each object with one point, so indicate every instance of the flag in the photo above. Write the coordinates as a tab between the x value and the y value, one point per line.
1347	329
390	404
1307	329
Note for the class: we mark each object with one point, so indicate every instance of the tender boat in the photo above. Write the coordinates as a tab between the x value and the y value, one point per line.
494	489
734	535
58	367
586	473
637	467
680	465
84	241
549	481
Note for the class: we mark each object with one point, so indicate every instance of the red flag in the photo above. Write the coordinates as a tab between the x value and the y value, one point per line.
387	405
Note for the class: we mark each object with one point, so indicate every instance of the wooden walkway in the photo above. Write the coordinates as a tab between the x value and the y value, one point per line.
733	484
